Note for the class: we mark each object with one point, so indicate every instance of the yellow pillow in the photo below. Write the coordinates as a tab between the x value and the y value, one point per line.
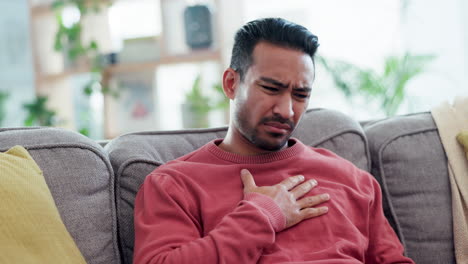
462	138
31	230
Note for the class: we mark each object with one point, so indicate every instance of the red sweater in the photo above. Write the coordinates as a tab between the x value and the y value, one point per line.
193	210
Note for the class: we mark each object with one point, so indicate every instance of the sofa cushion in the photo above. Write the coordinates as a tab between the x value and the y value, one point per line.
80	179
410	163
31	227
134	156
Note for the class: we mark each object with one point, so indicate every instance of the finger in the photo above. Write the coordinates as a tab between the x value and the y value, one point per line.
247	179
290	182
310	201
313	212
304	188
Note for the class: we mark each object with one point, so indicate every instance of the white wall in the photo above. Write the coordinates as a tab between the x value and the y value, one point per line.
439	28
16	65
362	32
365	32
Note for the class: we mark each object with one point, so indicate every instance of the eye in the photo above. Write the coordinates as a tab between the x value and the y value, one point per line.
269	88
304	96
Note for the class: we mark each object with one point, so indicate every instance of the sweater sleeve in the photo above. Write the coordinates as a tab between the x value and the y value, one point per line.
168	231
384	245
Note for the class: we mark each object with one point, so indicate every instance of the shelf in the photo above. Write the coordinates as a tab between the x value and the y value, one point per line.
194	56
60	82
58	76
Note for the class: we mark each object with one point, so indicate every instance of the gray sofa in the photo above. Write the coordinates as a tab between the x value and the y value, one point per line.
94	187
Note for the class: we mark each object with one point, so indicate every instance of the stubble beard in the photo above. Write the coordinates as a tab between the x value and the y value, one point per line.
252	134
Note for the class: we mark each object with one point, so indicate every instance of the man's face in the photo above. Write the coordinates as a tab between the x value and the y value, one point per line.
274	94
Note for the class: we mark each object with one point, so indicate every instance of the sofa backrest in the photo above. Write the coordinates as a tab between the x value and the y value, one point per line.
134	156
81	181
410	164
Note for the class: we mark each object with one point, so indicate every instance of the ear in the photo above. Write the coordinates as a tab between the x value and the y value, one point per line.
230	82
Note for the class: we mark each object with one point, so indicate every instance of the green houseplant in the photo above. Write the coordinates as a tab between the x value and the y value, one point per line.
387	89
68	40
222	101
197	105
38	113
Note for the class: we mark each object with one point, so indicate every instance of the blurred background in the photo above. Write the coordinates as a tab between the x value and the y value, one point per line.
105	68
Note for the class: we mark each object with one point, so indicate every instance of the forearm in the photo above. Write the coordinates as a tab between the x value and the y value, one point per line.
168	235
239	238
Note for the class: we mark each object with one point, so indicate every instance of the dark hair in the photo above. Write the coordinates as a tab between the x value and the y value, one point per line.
276	31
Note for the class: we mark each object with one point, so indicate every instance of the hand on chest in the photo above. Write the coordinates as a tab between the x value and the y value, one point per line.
348	200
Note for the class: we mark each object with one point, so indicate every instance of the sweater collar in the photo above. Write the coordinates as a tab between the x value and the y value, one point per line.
296	148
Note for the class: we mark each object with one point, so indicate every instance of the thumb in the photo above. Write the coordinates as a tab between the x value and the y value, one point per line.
247	179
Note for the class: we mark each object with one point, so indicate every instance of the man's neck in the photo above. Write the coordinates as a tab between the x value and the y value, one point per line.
234	142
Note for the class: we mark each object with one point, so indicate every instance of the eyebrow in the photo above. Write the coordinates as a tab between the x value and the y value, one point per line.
274	82
282	85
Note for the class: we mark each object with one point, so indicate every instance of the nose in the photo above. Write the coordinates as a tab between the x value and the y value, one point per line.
284	107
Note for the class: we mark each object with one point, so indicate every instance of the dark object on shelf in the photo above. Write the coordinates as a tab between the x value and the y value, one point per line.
109	59
112	58
197	22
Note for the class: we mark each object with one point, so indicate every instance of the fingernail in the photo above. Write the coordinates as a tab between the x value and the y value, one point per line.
324	209
313	182
325	196
301	177
244	171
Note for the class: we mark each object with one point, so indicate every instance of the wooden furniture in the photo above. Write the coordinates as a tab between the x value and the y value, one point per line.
54	79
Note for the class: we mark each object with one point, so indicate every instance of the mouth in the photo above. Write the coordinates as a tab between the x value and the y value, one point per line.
277	127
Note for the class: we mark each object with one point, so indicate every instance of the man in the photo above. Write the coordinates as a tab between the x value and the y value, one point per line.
258	195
